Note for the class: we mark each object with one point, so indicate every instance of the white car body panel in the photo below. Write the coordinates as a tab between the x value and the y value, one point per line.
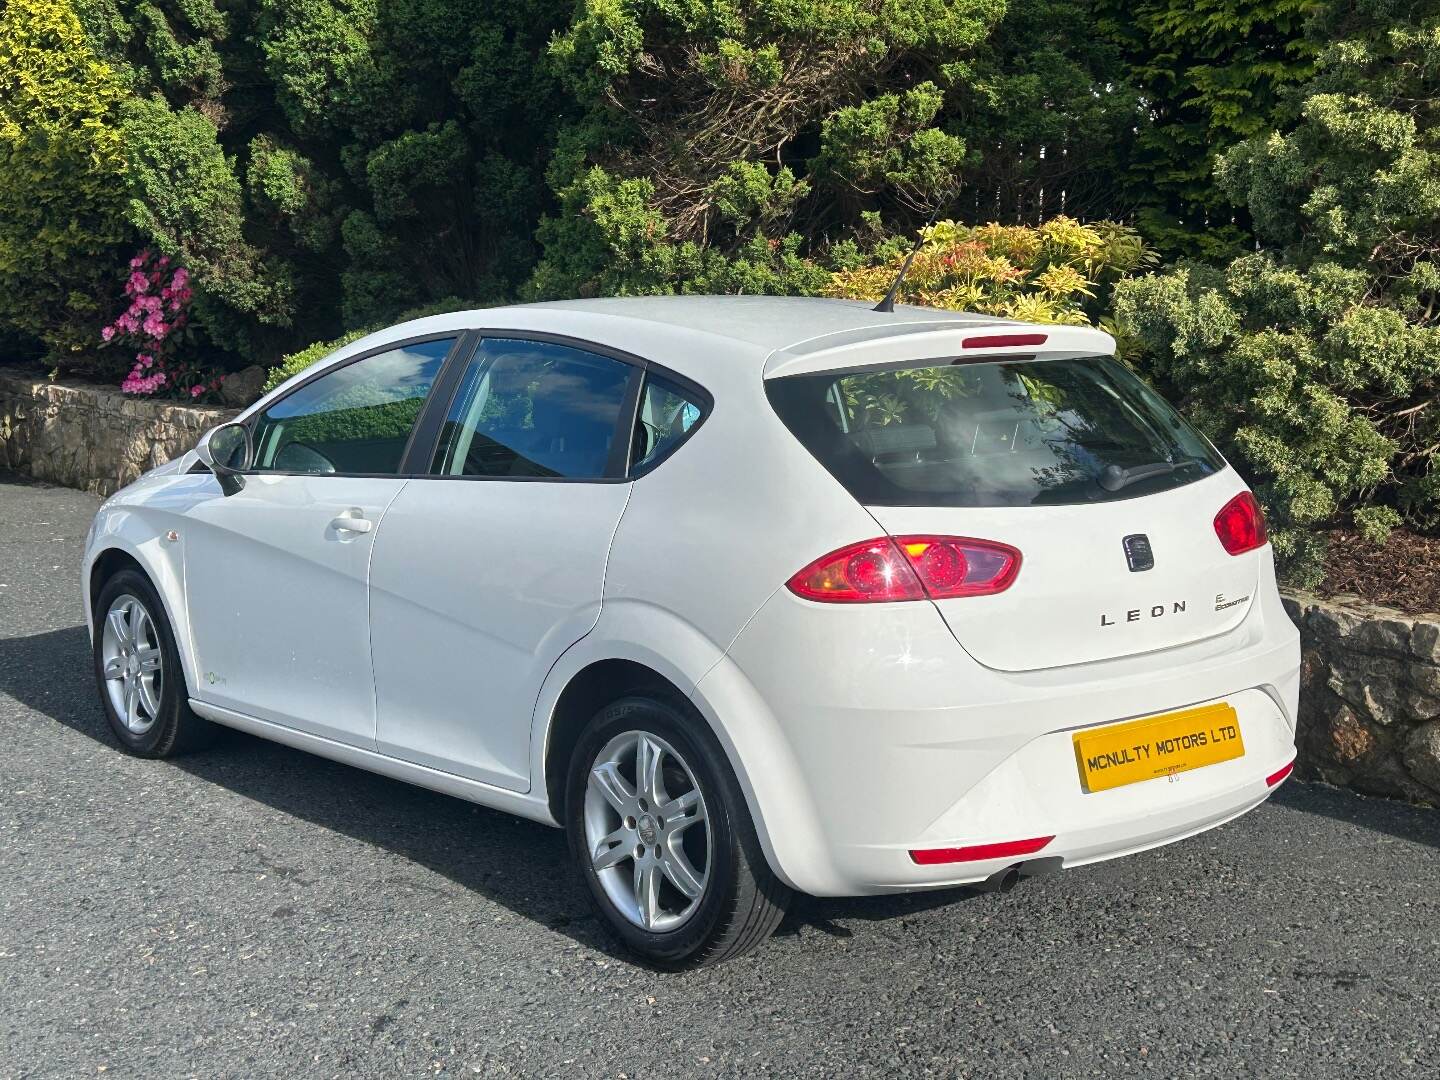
288	636
1076	600
858	732
460	652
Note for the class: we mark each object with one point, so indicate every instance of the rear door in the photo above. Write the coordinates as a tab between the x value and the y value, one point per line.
485	572
1108	495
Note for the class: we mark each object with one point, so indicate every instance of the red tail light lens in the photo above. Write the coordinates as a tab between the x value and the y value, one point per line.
870	572
1240	525
908	568
1002	341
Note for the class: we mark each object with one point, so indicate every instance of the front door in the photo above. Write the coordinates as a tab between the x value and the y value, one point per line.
276	575
486	572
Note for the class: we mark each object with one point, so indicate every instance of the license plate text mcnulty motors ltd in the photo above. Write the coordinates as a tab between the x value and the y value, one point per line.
1120	754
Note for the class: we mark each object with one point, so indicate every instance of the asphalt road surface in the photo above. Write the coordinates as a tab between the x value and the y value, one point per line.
255	911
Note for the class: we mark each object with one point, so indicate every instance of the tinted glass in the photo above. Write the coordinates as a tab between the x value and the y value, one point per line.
666	415
532	408
356	419
1012	433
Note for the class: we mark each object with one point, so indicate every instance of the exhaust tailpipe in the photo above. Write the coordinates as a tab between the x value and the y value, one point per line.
1002	881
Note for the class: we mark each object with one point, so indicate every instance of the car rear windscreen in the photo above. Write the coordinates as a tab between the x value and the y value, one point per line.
1015	432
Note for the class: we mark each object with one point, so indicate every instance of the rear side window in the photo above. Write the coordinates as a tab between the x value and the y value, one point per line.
533	409
667	414
1016	432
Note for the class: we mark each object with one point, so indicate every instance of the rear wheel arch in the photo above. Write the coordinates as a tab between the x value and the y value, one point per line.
589	690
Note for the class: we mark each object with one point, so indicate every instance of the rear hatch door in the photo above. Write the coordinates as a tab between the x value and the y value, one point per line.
1096	582
1042	441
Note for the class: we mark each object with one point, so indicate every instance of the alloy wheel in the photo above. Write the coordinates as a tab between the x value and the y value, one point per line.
132	663
647	831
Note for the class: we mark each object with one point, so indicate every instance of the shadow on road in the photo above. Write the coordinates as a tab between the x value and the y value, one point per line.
519	864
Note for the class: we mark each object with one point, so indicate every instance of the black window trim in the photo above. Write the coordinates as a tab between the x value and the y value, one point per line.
702	398
617	467
253	419
418	457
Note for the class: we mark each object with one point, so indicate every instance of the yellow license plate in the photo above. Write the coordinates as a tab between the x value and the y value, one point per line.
1120	754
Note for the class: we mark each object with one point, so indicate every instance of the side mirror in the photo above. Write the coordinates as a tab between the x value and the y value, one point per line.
227	452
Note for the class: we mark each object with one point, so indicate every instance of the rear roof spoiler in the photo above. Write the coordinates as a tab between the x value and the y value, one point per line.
887	345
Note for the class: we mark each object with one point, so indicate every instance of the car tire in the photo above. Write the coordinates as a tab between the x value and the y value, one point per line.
138	673
626	852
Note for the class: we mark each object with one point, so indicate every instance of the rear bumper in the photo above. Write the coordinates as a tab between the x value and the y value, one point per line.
879	736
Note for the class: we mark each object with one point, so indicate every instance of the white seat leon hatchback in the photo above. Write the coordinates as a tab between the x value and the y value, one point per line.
749	595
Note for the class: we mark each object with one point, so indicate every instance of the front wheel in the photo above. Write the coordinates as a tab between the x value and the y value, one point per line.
661	836
137	666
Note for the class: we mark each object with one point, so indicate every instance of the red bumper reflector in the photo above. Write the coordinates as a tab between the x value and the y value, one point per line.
1001	341
979	852
1275	777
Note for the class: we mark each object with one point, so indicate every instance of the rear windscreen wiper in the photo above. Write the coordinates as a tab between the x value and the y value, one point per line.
1113	478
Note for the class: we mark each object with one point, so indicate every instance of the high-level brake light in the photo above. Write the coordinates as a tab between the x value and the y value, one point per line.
1001	341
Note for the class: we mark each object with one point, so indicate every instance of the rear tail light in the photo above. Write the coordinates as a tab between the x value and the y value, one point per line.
908	568
1005	849
1240	525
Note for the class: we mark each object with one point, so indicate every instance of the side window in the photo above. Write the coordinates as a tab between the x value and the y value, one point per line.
532	408
666	415
356	419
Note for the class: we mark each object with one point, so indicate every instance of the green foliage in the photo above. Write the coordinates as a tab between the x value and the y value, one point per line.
323	164
1316	363
711	138
60	159
1210	75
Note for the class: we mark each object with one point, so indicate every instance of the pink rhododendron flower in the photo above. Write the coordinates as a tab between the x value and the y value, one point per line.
137	283
107	333
196	391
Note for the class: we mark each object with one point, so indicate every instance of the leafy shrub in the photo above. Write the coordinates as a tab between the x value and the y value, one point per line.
60	159
1053	273
1316	362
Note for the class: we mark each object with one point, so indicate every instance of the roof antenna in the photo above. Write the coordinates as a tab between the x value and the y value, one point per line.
888	304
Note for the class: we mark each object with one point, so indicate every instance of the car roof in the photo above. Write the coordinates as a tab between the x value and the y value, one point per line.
769	322
728	337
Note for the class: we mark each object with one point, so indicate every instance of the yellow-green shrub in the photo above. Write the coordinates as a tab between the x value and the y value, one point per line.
61	200
1051	273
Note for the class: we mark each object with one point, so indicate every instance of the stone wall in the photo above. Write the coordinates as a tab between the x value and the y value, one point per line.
91	437
1369	697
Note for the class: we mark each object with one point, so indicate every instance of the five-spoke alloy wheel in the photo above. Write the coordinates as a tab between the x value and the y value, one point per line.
662	836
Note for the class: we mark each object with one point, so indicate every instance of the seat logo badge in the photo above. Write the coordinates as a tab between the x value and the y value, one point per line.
1138	553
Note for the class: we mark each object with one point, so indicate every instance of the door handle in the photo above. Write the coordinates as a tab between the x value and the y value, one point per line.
352	523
